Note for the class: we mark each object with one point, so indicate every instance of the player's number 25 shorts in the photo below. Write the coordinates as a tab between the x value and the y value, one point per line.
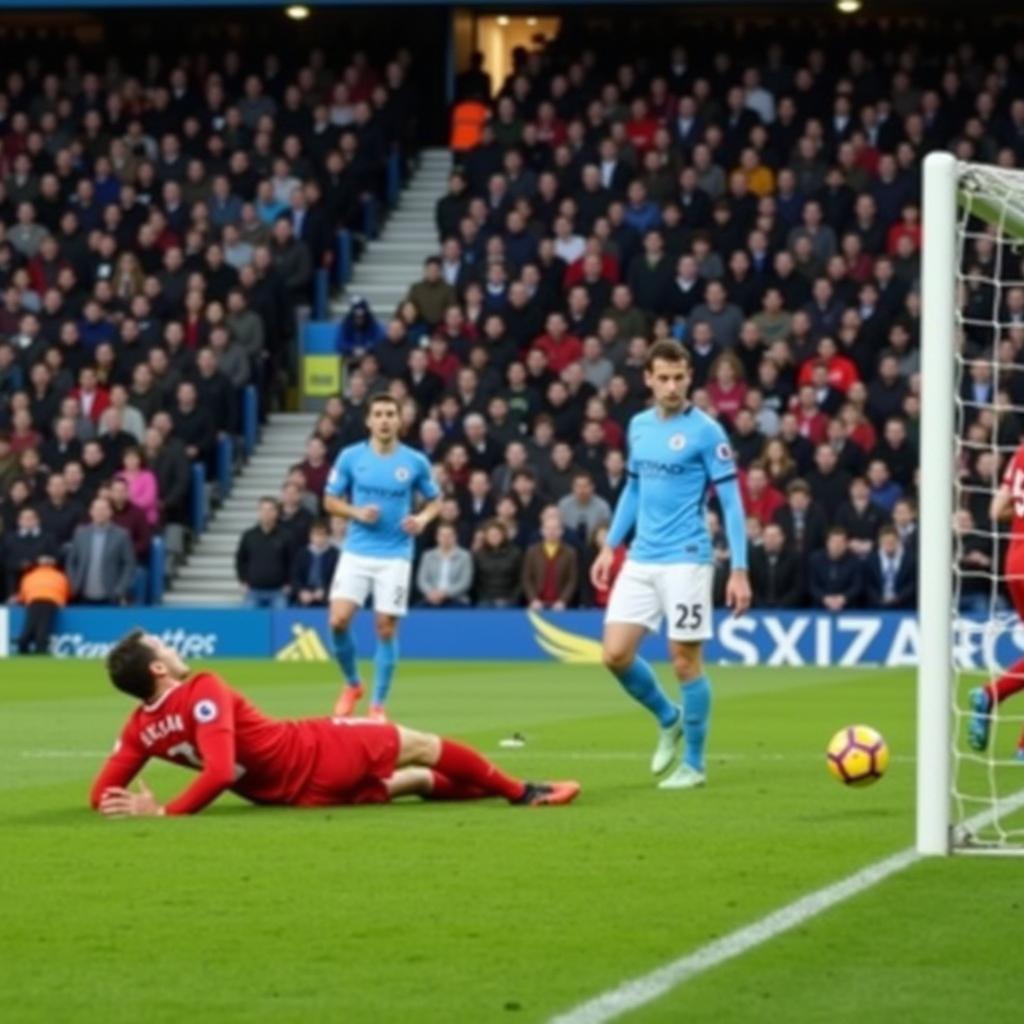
357	577
644	593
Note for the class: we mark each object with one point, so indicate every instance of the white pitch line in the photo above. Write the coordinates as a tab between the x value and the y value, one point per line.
631	995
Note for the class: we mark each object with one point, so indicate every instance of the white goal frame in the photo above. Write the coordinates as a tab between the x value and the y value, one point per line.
935	583
956	195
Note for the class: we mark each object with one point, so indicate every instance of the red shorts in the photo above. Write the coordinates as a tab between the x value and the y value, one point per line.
355	757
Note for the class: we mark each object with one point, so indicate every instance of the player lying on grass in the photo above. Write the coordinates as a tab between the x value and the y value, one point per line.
200	722
1007	503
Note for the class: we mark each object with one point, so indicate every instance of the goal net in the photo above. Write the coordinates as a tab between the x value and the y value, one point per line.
971	800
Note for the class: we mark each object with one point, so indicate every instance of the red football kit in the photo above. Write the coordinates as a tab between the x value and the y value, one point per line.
1013	478
205	725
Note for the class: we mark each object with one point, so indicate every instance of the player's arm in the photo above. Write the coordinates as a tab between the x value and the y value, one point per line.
338	490
427	488
121	767
721	466
214	713
416	524
337	506
623	521
1001	506
215	739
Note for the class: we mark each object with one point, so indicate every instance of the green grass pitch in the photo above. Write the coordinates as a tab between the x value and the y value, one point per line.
481	912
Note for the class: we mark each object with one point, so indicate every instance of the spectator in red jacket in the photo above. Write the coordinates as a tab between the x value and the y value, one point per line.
909	226
813	423
441	361
92	399
561	347
726	387
842	372
760	498
315	467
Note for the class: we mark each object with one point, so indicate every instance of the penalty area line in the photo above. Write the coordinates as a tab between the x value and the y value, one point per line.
633	994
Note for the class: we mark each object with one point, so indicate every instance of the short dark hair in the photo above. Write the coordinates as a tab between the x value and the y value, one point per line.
128	666
382	398
668	350
838	531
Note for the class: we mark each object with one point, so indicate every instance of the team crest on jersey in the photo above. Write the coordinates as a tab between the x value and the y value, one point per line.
401	474
724	452
205	711
677	442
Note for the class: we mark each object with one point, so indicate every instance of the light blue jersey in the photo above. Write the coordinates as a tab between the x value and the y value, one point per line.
362	477
672	462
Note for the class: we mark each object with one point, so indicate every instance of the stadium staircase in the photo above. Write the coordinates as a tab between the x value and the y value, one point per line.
389	265
208	575
394	261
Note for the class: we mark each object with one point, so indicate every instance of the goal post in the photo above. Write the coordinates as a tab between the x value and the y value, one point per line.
935	584
969	798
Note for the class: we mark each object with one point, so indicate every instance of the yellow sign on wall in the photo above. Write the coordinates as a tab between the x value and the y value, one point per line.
321	376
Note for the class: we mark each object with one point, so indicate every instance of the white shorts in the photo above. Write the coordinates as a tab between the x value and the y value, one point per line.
357	577
645	592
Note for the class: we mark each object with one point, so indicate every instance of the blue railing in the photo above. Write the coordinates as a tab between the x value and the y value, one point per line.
250	419
343	262
394	179
157	570
371	217
225	465
197	498
321	288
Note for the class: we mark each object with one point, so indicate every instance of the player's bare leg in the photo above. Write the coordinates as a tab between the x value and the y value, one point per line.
410	782
985	700
696	693
385	659
470	775
341	614
430	785
620	644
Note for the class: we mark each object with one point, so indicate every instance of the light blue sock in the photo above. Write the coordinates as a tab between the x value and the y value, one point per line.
640	682
345	652
696	710
385	659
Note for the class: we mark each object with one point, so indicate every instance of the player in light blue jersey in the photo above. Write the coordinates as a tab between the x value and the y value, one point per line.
676	452
373	485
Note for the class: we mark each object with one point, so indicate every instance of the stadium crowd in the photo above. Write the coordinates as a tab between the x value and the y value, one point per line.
758	202
158	229
766	214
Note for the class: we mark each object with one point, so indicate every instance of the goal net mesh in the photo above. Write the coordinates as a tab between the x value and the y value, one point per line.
988	636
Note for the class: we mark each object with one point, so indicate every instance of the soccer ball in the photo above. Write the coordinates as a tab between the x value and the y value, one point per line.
858	755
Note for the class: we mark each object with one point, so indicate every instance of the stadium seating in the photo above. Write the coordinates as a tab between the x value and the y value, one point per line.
761	207
158	235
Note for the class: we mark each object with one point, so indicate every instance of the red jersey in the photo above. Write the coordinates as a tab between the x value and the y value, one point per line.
842	373
204	724
561	353
765	505
1013	478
